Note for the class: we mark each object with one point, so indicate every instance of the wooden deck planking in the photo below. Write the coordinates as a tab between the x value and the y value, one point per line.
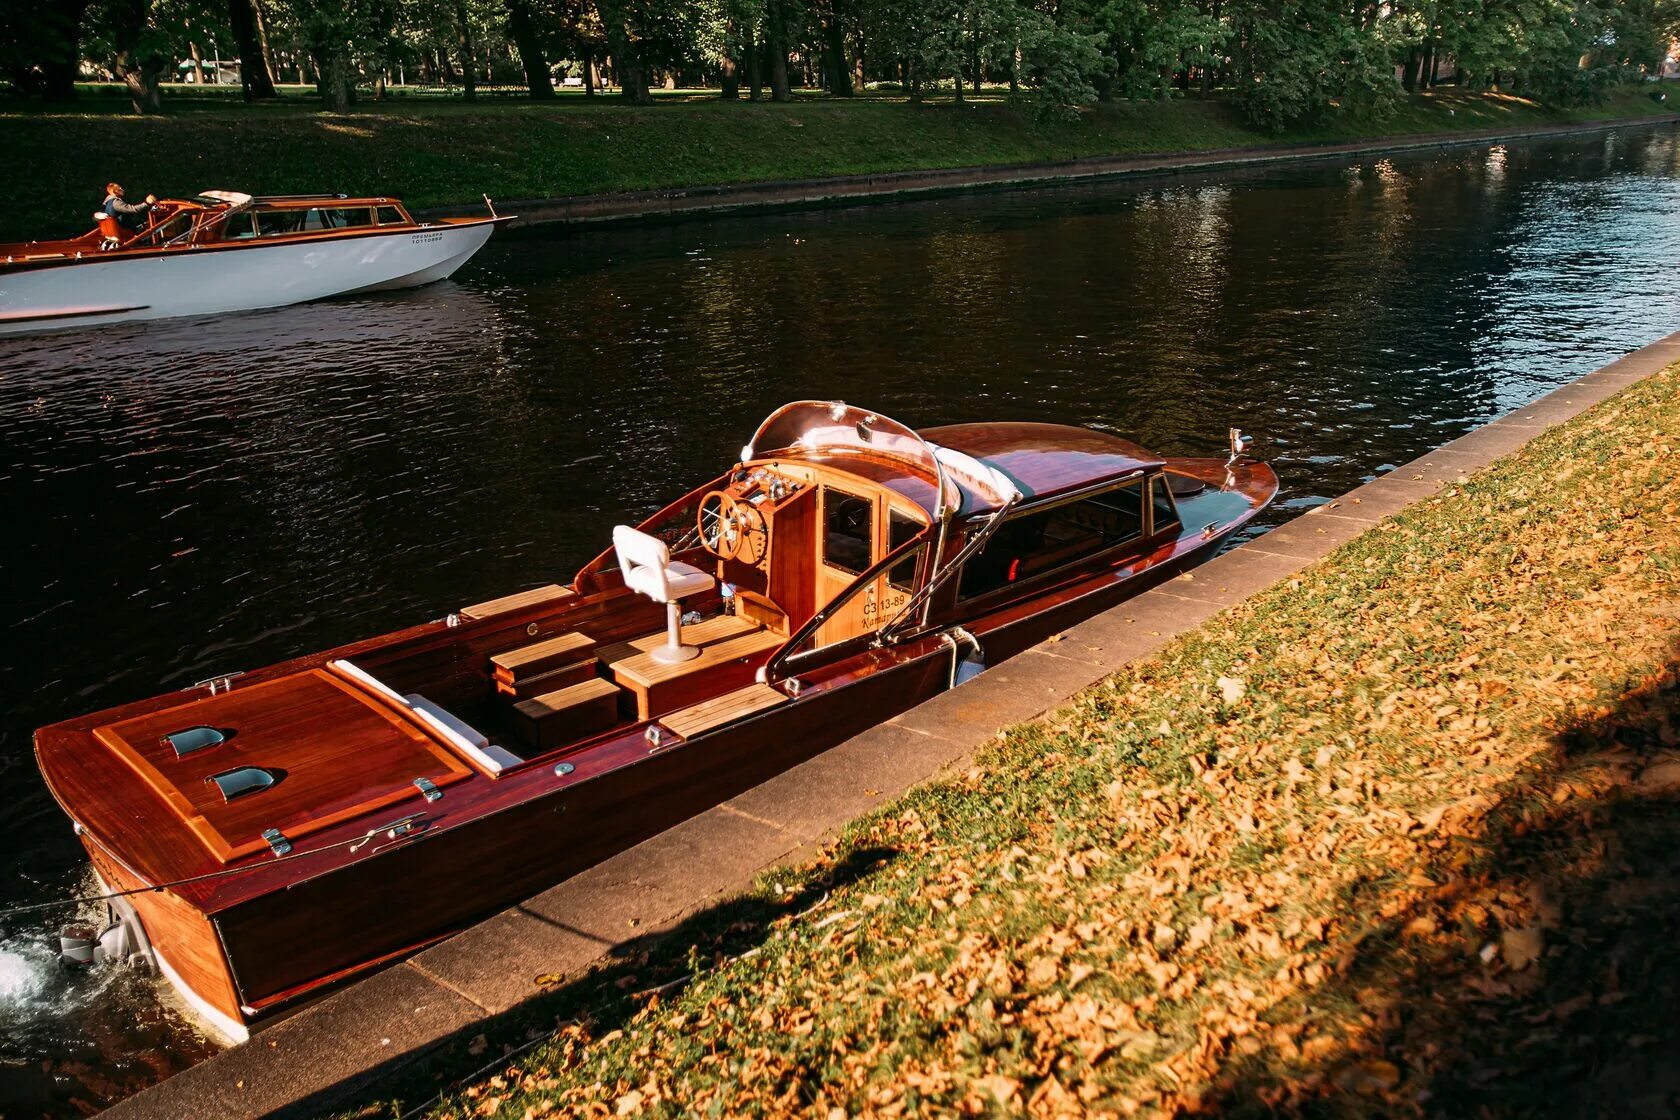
720	710
519	600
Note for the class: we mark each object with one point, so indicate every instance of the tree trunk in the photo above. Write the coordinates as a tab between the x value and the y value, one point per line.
1409	75
197	61
731	84
628	66
839	74
464	44
332	76
775	42
255	76
755	69
59	49
529	44
139	67
590	79
1015	73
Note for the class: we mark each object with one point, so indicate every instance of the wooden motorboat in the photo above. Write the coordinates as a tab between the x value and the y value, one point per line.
226	251
307	822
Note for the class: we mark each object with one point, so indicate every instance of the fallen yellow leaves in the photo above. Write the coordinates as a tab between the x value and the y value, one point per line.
1325	854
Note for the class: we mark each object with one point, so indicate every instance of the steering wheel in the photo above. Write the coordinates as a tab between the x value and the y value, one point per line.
732	529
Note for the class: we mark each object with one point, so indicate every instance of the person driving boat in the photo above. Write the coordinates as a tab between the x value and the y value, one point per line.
129	215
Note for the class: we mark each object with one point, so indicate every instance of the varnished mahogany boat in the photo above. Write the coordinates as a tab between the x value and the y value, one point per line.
325	816
226	251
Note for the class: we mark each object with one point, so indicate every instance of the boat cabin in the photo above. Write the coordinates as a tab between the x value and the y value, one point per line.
222	218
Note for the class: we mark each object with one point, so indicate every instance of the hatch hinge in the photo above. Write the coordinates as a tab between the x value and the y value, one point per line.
277	842
428	789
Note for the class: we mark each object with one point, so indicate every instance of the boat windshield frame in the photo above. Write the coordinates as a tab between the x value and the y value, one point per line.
804	428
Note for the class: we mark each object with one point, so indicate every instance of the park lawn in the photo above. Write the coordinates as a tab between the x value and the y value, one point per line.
436	152
1396	838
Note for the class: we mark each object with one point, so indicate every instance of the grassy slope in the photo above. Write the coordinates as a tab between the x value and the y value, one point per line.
1413	854
435	153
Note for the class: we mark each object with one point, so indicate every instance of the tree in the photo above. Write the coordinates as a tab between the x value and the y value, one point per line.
531	55
136	52
256	76
623	43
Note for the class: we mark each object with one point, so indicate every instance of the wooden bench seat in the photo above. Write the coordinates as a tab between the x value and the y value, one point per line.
519	600
731	706
516	665
568	714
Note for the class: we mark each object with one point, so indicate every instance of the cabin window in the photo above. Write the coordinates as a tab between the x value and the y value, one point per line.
848	530
239	226
1163	509
178	226
1033	544
337	217
391	216
274	223
901	530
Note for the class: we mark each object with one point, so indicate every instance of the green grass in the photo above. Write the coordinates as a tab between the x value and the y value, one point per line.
432	151
1420	863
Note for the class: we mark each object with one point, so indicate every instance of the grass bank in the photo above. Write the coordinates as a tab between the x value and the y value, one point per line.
435	152
1398	838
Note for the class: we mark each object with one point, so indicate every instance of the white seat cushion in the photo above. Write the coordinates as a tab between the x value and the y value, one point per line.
462	736
679	582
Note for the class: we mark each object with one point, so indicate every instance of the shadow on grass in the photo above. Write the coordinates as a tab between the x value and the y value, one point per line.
605	998
1537	977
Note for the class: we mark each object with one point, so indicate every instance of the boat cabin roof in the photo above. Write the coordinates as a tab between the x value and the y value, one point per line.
965	469
1045	461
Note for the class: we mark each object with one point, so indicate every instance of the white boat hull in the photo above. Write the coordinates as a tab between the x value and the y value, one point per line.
211	280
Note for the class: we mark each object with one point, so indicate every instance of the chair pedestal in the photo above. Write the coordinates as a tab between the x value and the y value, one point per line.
673	650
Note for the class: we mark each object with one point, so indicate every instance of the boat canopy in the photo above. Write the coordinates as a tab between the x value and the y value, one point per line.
835	427
233	199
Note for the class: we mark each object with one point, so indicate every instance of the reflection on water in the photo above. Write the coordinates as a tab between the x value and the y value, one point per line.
192	497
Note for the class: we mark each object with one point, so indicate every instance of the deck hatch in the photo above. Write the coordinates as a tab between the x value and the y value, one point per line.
242	781
190	739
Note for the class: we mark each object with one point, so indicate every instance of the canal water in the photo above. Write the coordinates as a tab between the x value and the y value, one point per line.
188	498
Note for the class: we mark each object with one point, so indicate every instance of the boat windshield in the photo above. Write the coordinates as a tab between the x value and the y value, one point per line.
835	427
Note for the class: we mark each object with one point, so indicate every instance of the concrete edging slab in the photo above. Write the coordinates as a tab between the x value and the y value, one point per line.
334	1048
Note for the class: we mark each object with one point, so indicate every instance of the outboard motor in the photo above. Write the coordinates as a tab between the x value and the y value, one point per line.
122	941
78	945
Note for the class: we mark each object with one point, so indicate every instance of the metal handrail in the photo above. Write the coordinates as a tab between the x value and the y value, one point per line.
773	667
887	634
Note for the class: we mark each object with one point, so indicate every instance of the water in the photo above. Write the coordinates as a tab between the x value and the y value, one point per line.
188	498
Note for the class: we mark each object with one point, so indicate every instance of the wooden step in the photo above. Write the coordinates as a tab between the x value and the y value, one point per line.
516	665
719	710
519	600
568	714
551	681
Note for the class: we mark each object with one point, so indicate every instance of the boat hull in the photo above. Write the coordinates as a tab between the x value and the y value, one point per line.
290	947
234	277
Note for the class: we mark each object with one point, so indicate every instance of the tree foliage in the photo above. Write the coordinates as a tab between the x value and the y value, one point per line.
1283	61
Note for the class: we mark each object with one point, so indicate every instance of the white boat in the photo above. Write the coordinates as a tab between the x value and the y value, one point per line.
225	251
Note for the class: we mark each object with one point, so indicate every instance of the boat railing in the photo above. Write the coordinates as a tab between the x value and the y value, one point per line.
894	629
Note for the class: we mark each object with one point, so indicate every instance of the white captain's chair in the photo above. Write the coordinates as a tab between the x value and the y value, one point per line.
649	569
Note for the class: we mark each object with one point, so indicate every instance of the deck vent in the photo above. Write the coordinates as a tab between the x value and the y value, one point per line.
190	739
244	780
